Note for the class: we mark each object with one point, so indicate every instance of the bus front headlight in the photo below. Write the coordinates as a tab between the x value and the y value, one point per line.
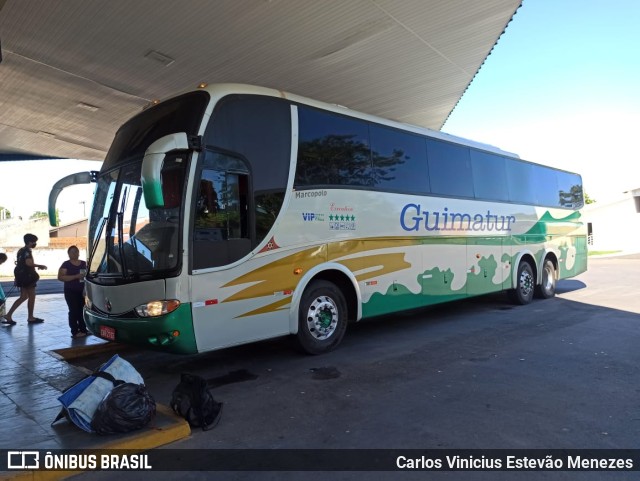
157	308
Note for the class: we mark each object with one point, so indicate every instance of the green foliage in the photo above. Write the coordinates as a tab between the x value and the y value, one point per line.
44	215
7	213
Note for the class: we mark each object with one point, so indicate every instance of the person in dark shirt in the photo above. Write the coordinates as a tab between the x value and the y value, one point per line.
3	298
26	279
72	273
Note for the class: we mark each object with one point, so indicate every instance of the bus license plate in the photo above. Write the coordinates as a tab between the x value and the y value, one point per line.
108	333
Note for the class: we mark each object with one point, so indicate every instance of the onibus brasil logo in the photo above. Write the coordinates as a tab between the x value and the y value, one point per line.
23	460
31	460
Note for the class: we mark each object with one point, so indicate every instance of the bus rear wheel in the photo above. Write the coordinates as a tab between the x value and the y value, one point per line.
322	318
548	287
523	293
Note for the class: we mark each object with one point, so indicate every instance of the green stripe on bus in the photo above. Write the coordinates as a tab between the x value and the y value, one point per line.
152	332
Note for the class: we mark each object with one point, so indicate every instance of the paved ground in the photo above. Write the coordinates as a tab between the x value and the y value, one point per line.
35	372
45	286
559	374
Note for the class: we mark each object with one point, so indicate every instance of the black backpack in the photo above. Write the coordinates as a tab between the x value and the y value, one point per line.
192	400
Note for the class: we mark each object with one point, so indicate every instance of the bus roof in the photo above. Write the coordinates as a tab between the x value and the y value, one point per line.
220	90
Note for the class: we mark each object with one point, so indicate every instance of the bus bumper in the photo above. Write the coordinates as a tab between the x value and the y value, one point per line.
172	332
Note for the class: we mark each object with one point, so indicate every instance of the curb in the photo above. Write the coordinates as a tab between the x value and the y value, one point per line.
136	442
77	352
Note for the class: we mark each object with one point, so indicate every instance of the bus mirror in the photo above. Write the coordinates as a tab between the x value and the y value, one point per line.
69	180
152	163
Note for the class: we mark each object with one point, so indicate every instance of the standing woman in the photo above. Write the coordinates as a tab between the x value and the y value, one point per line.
72	273
3	259
26	279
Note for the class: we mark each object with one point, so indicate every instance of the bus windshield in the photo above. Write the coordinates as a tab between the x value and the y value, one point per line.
127	239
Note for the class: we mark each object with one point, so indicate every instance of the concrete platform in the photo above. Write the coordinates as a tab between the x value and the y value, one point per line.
35	370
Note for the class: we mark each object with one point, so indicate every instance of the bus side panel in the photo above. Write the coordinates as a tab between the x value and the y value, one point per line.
226	315
438	270
444	263
426	271
390	279
222	325
250	301
574	257
487	268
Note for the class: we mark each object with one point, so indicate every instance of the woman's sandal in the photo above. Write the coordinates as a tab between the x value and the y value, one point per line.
36	320
9	322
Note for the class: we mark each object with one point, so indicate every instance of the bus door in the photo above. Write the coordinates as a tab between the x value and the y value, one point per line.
232	301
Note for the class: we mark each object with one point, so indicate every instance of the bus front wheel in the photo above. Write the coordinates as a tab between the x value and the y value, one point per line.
322	318
525	285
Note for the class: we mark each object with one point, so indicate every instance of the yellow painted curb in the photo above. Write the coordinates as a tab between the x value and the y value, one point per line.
153	437
77	352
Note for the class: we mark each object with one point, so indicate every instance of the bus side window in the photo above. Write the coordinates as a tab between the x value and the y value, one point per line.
221	227
207	204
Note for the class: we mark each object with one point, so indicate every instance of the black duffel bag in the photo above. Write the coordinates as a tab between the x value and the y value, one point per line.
125	408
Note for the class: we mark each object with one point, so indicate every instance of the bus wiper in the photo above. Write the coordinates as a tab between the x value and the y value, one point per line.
133	233
120	217
123	262
96	240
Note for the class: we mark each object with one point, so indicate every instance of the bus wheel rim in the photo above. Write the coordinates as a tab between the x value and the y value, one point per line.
322	318
548	279
526	283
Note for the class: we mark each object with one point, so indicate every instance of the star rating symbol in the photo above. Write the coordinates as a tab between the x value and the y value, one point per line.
342	218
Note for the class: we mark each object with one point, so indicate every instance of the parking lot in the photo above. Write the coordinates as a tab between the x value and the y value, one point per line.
555	374
475	374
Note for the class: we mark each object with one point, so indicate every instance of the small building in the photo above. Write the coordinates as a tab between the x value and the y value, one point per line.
73	233
614	225
52	242
12	231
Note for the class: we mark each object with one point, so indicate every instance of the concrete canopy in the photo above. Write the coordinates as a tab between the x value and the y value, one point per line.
72	71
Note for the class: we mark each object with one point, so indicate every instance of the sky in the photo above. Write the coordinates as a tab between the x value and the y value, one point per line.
560	88
25	187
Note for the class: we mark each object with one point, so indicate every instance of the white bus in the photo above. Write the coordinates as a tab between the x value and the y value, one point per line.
234	213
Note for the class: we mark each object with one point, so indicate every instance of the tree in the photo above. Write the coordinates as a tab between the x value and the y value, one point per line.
38	215
4	213
573	197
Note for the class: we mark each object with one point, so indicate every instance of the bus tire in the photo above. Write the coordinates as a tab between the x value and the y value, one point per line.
322	318
523	293
547	288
